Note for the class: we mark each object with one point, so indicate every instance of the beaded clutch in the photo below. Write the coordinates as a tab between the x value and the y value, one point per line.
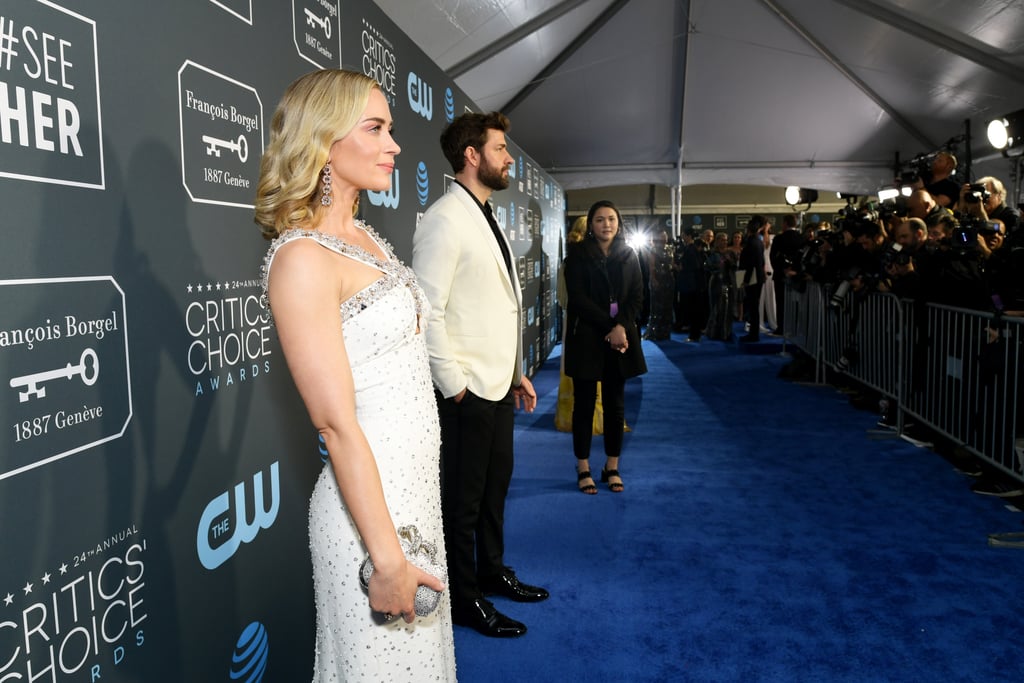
423	555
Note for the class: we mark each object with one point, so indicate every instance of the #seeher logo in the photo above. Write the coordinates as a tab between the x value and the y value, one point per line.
249	660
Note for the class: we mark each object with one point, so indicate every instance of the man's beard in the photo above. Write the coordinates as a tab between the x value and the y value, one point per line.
492	177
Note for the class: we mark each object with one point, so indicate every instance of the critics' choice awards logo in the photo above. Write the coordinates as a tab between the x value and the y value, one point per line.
316	32
379	60
50	127
249	659
80	620
221	136
225	524
230	334
64	355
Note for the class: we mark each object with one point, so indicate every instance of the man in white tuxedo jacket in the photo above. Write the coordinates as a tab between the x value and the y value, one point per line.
474	336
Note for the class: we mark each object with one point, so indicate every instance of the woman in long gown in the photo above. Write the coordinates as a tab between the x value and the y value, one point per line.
348	315
721	289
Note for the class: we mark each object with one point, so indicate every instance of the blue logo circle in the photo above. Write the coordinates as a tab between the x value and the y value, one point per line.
422	183
249	660
449	105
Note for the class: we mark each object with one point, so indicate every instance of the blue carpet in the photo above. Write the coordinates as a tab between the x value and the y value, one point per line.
762	536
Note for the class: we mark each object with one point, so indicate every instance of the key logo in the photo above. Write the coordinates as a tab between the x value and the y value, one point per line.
64	355
221	136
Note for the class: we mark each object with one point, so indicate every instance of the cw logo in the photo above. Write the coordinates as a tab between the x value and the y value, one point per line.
230	533
421	96
388	198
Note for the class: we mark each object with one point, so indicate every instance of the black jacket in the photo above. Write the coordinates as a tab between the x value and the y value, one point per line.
593	283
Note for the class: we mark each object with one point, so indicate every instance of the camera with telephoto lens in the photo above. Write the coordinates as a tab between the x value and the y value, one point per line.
977	193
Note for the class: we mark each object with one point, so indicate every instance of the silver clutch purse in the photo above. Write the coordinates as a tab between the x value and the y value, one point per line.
422	554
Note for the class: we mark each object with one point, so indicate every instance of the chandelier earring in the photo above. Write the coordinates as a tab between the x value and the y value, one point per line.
325	191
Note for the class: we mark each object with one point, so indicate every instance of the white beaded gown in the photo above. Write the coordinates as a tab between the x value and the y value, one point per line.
396	409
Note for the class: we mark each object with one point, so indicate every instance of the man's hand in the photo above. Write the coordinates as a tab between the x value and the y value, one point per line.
525	393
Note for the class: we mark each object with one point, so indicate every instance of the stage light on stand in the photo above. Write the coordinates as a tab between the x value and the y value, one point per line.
1007	132
800	195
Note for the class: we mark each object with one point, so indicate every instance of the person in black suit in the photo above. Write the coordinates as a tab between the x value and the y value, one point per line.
752	267
784	253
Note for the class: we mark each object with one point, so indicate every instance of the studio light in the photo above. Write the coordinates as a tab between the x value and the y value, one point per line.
800	195
888	193
1007	132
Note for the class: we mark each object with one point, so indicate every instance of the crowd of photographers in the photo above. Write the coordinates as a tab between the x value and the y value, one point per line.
952	244
968	254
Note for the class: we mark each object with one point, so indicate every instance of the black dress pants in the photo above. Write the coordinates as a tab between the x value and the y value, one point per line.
476	469
584	399
752	308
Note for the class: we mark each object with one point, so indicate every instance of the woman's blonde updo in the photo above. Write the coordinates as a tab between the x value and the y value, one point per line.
317	109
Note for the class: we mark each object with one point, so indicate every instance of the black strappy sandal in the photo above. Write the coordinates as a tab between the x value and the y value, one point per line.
589	489
613	486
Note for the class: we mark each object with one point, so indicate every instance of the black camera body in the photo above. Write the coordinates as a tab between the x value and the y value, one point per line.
977	193
895	254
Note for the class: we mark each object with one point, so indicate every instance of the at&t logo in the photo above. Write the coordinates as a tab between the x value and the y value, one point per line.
449	105
249	660
387	198
227	531
421	96
422	184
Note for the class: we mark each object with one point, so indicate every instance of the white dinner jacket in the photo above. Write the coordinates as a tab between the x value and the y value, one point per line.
474	333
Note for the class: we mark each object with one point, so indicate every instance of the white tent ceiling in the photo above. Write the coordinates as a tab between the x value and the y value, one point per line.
818	93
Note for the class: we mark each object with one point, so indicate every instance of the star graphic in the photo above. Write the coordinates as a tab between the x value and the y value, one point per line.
9	599
27	588
209	287
218	286
46	578
188	288
64	569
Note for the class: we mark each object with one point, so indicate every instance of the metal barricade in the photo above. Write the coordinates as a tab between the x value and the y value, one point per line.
958	372
965	383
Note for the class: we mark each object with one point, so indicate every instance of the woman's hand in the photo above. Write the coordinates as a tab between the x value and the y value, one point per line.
394	592
617	339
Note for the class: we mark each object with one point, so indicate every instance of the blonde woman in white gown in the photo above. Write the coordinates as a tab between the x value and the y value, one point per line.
349	317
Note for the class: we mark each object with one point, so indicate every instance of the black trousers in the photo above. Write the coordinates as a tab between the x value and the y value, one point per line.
476	469
584	398
752	307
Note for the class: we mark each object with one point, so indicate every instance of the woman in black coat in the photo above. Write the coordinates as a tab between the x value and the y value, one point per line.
602	341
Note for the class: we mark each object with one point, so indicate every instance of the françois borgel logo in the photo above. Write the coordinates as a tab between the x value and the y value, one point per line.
317	32
229	332
221	136
50	129
64	356
240	8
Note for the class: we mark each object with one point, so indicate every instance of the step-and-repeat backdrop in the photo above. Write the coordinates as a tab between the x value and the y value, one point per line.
155	460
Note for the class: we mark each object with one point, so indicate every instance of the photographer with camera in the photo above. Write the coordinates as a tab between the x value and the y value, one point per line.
993	201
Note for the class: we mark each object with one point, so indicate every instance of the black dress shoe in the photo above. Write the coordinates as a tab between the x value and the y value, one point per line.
482	616
507	585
